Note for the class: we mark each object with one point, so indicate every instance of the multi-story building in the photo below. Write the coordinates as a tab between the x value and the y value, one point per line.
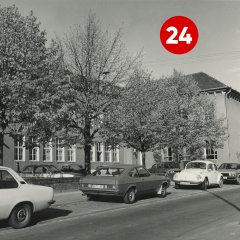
227	106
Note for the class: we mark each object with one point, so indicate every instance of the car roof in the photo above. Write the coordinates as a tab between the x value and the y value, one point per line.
38	165
122	166
203	161
230	163
4	168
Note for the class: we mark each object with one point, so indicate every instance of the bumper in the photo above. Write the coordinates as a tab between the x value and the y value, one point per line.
99	192
188	183
229	178
51	202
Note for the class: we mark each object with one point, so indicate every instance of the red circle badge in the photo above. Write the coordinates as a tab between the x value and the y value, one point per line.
179	35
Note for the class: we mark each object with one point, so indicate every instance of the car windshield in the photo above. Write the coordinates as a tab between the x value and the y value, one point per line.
229	166
108	171
28	169
171	165
196	165
53	169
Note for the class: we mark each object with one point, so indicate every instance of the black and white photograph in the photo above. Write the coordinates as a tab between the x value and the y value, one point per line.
119	119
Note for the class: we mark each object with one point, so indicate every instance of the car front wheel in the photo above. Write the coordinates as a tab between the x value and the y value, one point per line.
162	191
204	184
130	196
20	216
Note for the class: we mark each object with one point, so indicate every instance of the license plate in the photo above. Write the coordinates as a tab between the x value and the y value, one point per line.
224	177
185	183
97	186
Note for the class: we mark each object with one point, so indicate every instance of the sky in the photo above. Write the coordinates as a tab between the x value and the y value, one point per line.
217	52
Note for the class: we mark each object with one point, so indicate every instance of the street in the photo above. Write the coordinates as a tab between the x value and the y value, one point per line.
184	214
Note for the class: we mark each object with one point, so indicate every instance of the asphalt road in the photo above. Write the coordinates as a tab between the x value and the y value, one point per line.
183	215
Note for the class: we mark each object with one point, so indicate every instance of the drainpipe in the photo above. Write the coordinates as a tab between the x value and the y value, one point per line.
226	97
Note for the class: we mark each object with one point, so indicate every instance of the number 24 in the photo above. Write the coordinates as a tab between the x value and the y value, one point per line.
183	36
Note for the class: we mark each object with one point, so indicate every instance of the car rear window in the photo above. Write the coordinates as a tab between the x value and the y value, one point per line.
109	172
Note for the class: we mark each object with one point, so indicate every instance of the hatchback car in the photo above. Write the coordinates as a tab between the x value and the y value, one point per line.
201	173
20	200
126	181
43	171
167	169
230	172
73	168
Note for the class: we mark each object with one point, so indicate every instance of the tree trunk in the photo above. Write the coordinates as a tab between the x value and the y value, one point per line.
87	146
87	152
1	148
143	158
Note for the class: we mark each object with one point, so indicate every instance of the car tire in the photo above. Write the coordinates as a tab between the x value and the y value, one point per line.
20	216
238	180
130	196
220	184
204	185
177	186
162	192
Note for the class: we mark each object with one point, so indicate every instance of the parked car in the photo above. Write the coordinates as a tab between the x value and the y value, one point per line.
200	172
20	200
73	168
230	172
126	181
43	171
167	169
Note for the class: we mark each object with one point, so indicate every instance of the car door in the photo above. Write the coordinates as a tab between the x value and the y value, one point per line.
136	180
9	190
147	182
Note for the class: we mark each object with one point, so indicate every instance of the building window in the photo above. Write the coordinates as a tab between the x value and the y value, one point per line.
33	151
115	157
91	153
167	152
59	151
211	153
107	149
18	148
71	154
99	152
47	152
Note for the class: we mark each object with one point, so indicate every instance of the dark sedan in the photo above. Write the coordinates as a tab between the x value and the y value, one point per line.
167	169
43	171
73	168
126	181
230	172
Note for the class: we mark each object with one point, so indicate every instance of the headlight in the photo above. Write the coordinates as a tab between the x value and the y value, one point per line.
199	177
232	174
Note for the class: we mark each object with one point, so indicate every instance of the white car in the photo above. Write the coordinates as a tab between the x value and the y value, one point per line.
19	200
199	172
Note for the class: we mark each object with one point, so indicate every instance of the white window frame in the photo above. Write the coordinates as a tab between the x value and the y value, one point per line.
48	148
36	154
107	151
71	153
59	150
211	152
19	148
115	154
99	151
166	154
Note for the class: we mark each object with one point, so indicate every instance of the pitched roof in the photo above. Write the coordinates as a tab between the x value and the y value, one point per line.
206	82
